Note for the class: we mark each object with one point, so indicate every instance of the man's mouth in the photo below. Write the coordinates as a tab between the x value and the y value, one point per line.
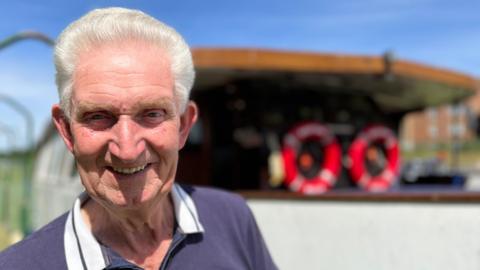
132	170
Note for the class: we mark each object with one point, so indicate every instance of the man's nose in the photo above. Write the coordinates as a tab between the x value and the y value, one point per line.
127	143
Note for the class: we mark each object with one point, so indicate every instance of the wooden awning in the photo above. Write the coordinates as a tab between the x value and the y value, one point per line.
395	85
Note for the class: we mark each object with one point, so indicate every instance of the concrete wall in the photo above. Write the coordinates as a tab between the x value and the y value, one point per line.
342	235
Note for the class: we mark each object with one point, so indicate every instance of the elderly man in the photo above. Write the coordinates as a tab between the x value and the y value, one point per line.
124	80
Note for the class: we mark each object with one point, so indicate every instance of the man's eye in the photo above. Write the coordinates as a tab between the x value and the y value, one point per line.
96	117
154	116
99	120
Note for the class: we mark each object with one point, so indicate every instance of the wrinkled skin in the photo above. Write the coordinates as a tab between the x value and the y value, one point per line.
124	117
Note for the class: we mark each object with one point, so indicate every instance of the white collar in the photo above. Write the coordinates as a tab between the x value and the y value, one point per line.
82	250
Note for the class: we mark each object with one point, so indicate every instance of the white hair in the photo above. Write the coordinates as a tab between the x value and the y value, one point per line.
115	25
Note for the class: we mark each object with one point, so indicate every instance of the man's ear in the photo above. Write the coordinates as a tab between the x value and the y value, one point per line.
63	126
187	119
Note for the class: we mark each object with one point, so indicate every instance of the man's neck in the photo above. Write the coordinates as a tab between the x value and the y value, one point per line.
141	236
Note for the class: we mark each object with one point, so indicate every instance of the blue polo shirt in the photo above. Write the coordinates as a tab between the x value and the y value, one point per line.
215	230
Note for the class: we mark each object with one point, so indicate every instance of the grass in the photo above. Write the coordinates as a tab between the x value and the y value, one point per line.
4	238
8	237
12	175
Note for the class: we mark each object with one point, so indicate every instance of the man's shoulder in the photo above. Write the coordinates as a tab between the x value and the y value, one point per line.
40	250
214	195
230	229
219	205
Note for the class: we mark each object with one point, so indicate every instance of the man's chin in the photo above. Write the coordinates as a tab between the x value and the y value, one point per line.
127	202
132	201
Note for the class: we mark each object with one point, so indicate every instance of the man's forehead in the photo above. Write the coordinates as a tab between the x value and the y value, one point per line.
128	57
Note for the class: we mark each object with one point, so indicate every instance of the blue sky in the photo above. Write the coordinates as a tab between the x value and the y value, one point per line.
435	32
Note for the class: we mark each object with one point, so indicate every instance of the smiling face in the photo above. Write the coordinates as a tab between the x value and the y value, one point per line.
125	129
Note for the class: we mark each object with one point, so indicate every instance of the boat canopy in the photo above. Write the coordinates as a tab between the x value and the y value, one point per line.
395	85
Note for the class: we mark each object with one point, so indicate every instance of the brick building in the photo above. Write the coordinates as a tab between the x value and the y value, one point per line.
441	125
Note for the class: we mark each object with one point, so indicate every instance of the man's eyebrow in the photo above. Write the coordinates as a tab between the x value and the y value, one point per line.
164	103
87	106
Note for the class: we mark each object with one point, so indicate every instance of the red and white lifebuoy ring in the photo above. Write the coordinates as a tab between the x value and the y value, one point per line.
328	171
382	181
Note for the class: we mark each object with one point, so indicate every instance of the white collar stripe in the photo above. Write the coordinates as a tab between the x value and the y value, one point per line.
72	250
78	243
82	250
182	196
91	249
186	212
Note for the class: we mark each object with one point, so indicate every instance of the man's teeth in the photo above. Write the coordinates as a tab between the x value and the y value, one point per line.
129	170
